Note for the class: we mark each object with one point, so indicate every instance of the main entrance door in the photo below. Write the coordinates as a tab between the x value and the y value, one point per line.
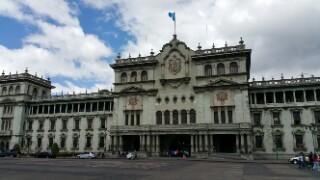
174	143
224	143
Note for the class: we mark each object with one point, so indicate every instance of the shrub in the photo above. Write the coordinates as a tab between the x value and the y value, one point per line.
16	147
55	148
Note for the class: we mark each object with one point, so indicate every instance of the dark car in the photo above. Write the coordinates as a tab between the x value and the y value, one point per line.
45	155
7	153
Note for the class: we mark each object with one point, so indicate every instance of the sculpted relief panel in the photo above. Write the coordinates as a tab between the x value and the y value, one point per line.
223	98
134	103
174	65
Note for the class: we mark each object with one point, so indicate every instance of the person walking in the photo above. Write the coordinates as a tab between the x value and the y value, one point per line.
315	160
300	160
310	163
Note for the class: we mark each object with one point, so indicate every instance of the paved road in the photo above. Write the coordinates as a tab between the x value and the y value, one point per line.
146	169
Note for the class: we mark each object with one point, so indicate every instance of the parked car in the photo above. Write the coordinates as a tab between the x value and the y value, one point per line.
45	155
7	153
86	155
295	160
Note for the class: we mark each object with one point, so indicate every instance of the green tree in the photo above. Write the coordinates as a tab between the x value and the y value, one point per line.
16	147
55	148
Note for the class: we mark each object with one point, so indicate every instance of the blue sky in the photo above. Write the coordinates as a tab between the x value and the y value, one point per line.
74	42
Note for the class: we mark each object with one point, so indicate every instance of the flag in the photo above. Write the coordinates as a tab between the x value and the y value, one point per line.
172	15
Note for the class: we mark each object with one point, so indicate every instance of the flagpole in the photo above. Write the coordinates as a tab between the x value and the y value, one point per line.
175	27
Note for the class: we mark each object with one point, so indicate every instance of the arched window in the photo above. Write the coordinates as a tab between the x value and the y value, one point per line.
144	76
208	70
167	117
18	90
35	93
193	116
11	90
220	69
4	91
44	94
159	117
183	117
133	76
175	117
233	68
124	77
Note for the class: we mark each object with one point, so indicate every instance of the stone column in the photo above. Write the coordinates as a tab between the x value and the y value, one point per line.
157	143
249	143
120	148
264	98
141	139
192	143
196	143
284	96
206	142
294	96
148	143
200	142
274	97
237	143
315	95
304	96
143	142
116	142
242	143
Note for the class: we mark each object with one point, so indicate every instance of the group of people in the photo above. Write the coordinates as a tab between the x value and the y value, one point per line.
311	163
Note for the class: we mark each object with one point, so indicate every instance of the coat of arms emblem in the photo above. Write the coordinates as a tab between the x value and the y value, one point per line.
174	65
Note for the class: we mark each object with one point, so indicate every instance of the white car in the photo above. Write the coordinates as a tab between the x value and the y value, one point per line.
86	155
295	160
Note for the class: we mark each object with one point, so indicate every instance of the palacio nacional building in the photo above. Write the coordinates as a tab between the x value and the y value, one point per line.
198	100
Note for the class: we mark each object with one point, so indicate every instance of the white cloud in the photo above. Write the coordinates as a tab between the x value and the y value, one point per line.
58	49
283	34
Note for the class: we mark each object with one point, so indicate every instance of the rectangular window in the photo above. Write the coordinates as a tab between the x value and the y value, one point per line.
88	144
138	119
223	117
317	117
257	119
127	119
299	141
77	124
90	123
39	142
63	143
50	142
132	120
278	141
276	118
318	140
296	118
259	142
30	125
52	124
64	124
101	142
41	125
75	142
216	117
230	117
103	123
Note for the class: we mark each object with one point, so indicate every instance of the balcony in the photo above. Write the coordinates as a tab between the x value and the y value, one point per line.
5	132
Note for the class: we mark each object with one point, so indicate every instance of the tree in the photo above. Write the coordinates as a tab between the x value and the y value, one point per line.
55	148
16	147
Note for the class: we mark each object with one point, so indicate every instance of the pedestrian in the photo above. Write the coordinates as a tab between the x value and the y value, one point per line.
300	160
315	160
310	163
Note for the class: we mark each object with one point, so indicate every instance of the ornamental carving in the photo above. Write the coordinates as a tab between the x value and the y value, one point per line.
133	103
174	65
222	96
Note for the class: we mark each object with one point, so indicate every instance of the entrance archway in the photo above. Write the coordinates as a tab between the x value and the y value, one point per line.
224	143
169	143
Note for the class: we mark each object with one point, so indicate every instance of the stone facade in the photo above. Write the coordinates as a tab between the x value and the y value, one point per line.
198	101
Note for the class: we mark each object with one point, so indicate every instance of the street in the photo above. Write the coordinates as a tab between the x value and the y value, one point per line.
145	169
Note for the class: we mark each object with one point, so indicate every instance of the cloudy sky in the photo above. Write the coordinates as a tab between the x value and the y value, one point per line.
73	42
